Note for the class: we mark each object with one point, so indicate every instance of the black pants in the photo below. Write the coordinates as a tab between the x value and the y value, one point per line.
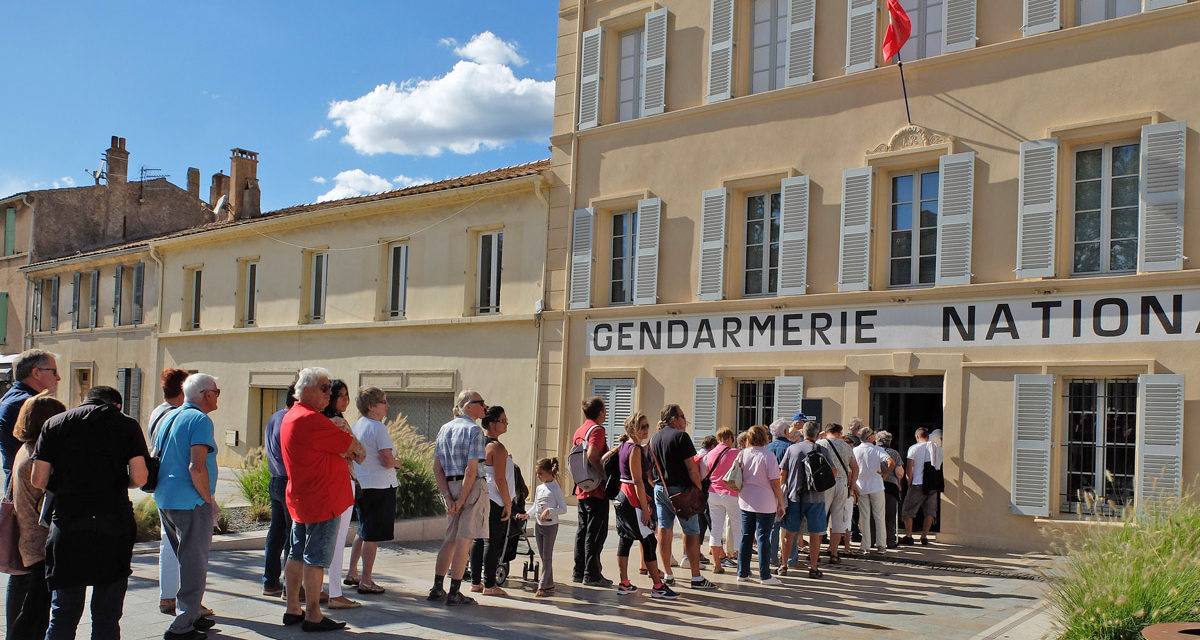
279	535
589	539
891	507
485	552
28	604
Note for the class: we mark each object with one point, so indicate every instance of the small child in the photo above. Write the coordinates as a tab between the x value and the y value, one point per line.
548	504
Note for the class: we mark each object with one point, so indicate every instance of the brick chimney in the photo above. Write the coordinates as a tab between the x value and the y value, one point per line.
243	193
193	182
118	162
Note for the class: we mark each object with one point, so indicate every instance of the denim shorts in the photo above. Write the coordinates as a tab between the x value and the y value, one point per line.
798	512
666	513
313	543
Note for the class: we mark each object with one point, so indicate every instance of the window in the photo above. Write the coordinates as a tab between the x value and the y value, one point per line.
127	294
424	412
397	279
1089	11
94	300
624	254
768	45
129	383
75	289
629	81
250	297
10	231
319	278
491	249
926	38
762	244
755	403
139	291
912	241
45	304
36	307
193	280
1106	209
1101	445
618	401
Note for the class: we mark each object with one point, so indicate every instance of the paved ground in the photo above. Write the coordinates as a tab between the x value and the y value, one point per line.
974	595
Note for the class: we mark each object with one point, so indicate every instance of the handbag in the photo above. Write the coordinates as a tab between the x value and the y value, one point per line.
10	537
686	503
733	477
932	478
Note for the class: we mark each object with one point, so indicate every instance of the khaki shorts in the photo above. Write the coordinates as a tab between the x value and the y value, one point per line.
835	508
471	521
916	500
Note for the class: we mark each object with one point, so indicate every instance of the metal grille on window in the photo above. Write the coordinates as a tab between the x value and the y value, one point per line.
1100	443
425	412
755	403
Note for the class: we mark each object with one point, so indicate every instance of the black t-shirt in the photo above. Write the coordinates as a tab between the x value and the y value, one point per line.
89	448
672	449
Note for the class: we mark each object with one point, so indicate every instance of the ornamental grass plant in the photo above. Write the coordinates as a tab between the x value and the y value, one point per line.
1116	580
417	495
254	481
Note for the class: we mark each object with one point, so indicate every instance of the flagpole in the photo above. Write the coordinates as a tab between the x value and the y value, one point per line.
904	86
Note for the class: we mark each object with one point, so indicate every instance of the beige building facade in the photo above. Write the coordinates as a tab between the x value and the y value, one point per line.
743	221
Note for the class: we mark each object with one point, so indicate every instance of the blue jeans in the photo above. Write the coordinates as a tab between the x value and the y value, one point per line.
279	536
66	608
763	522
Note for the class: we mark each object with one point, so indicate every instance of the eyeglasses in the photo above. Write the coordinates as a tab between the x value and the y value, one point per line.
216	391
479	401
50	369
325	388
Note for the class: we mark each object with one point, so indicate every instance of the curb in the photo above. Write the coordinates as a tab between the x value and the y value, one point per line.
412	530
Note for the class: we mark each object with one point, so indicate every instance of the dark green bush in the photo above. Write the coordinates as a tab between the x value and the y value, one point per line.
254	480
145	513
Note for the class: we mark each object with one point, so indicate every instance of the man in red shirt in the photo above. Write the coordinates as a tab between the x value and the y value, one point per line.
314	453
593	505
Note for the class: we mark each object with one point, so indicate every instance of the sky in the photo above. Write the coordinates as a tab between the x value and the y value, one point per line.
338	99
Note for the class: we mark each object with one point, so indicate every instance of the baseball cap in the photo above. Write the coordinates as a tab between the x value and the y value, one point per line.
800	417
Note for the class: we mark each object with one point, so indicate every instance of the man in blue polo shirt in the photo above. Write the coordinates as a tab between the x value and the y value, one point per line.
187	480
35	371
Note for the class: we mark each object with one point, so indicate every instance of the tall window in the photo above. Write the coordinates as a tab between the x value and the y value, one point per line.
94	300
1106	208
397	280
629	82
926	38
762	244
755	403
624	252
1101	445
491	249
139	291
317	285
250	299
913	237
192	295
129	383
768	45
127	294
1089	11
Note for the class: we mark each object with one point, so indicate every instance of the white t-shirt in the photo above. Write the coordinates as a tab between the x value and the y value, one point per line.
870	458
374	437
919	454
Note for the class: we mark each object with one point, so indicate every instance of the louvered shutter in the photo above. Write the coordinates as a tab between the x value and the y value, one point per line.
802	15
54	303
860	35
134	402
704	408
3	317
122	378
118	276
589	78
75	301
958	25
711	282
956	193
789	392
1160	205
645	281
1159	473
1033	401
793	236
619	408
36	311
1151	5
1041	16
94	300
654	63
139	289
581	259
855	254
1037	204
720	51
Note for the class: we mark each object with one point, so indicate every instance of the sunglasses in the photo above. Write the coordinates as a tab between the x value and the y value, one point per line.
475	402
325	388
216	392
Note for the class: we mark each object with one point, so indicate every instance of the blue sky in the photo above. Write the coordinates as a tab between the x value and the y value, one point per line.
363	96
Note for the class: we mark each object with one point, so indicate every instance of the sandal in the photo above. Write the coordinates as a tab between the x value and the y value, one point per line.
350	582
835	559
717	568
782	570
369	588
494	591
815	573
167	606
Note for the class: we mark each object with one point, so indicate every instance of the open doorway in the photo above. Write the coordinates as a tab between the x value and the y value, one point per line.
901	404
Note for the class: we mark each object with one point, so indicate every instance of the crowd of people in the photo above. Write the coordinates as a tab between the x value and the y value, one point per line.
68	472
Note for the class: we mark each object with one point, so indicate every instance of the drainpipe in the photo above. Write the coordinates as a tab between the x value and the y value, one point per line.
541	194
158	323
27	337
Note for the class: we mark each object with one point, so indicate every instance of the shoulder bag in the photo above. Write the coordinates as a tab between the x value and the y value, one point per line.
733	477
687	503
154	462
931	476
10	536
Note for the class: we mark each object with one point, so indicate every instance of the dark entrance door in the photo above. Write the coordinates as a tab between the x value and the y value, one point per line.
900	404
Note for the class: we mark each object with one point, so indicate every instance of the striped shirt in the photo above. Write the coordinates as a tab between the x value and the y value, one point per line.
458	442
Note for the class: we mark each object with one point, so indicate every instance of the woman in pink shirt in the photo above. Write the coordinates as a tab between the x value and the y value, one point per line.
722	499
761	502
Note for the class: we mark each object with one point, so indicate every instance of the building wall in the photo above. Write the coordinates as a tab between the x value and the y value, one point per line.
11	280
987	100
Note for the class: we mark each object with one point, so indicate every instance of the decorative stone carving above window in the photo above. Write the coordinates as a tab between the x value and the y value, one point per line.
912	136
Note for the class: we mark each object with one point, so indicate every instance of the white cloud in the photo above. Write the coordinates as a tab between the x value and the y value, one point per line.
401	181
487	48
479	104
354	182
319	133
66	181
318	179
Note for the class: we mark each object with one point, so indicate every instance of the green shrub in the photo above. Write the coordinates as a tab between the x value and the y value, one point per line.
418	495
145	513
254	480
1116	580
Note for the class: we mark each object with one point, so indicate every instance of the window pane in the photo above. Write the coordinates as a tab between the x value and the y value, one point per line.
901	244
902	189
1091	11
929	185
618	270
1128	8
754	257
901	217
926	267
1124	223
1087	257
1124	255
753	282
902	271
1087	226
1125	192
1087	195
1087	163
1125	160
928	242
929	211
755	208
754	233
485	270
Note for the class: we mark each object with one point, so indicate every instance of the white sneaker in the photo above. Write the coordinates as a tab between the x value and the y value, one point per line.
684	564
746	579
772	582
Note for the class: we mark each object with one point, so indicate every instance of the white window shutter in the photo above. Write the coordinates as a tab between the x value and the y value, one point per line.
122	378
1160	210
590	60
581	259
1151	5
1037	205
645	280
720	51
789	391
704	408
802	19
860	34
133	403
619	408
1159	473
958	25
956	193
1041	16
854	257
654	63
1033	402
711	281
793	236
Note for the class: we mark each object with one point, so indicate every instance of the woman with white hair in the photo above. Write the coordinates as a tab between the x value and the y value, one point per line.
891	487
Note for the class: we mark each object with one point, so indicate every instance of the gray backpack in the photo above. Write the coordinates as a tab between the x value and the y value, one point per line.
587	478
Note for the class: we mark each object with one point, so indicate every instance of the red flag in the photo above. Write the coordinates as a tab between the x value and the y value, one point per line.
898	31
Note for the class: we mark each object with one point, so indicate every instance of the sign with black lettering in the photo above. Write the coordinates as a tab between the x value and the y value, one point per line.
1141	316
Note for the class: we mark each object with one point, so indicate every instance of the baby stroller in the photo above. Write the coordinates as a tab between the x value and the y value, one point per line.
515	536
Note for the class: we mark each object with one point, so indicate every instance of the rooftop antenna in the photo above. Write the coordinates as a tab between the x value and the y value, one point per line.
99	172
220	205
148	174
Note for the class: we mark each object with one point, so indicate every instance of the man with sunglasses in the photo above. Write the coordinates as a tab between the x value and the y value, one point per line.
457	456
34	371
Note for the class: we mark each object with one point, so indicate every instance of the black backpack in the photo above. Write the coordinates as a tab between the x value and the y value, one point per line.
612	475
818	474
